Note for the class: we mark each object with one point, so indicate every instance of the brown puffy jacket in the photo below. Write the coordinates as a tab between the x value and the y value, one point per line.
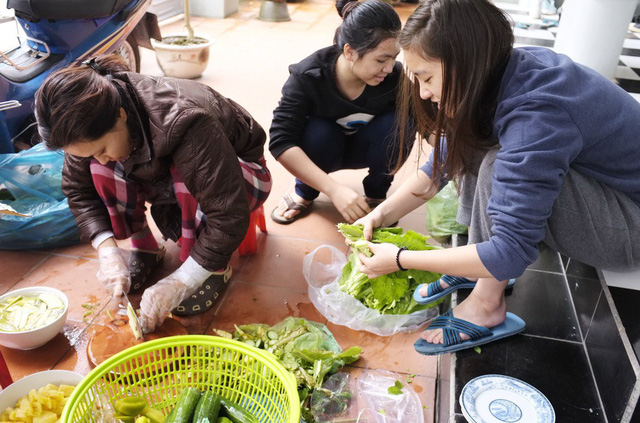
203	134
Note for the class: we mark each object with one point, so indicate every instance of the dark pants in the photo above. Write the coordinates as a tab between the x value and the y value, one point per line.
326	144
589	222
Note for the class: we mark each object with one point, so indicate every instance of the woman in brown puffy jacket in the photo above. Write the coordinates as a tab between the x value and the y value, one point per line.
194	155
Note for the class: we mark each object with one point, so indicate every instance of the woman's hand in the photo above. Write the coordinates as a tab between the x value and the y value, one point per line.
349	203
373	220
381	263
159	299
114	271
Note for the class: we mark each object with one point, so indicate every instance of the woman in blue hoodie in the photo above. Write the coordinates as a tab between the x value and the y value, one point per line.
543	150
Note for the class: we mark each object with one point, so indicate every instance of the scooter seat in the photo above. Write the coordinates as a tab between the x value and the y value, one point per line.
34	10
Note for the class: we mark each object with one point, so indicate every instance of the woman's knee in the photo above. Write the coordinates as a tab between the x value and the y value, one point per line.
323	142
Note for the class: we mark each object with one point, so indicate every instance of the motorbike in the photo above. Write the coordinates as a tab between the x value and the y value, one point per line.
61	33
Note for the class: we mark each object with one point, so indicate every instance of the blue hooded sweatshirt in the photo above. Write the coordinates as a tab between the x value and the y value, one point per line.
552	114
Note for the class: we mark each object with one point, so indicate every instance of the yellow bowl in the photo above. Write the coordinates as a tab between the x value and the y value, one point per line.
30	339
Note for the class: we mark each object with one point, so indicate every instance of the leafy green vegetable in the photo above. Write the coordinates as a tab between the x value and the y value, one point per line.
392	293
396	389
305	348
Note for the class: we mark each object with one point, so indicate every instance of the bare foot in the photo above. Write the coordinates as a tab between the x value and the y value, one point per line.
289	214
424	291
477	309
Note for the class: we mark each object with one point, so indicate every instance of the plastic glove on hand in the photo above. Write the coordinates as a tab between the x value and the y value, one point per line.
159	299
114	270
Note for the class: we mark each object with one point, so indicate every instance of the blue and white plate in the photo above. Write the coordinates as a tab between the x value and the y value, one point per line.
500	399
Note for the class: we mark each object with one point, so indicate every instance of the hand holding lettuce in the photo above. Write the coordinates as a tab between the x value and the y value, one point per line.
391	293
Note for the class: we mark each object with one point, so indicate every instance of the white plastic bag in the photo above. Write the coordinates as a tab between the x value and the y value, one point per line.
340	308
373	387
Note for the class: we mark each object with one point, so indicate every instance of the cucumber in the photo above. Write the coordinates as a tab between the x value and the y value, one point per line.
223	420
143	419
235	413
152	414
130	406
185	407
123	418
207	409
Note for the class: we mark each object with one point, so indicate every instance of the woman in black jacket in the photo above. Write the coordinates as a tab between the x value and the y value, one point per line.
337	111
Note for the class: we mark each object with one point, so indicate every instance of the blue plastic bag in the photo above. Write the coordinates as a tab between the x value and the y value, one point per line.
30	184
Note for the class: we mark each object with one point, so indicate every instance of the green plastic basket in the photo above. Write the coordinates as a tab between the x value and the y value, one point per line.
159	370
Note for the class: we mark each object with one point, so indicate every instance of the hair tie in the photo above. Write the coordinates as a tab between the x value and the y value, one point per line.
349	7
92	64
401	249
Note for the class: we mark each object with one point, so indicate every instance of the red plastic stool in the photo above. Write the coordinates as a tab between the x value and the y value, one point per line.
5	376
249	245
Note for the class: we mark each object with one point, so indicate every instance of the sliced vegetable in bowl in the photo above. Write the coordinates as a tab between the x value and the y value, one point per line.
19	313
31	317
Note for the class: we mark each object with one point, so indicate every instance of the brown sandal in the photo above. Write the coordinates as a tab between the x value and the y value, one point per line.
205	297
141	264
291	205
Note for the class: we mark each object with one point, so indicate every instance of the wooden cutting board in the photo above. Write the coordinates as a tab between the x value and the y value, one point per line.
112	339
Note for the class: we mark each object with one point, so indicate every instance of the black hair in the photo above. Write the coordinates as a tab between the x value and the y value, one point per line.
365	24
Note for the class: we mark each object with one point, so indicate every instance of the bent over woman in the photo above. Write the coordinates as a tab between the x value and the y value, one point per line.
129	139
544	150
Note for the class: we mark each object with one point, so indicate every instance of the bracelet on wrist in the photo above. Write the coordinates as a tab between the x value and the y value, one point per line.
401	249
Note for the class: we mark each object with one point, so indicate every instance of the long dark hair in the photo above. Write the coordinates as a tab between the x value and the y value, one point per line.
83	102
365	24
473	40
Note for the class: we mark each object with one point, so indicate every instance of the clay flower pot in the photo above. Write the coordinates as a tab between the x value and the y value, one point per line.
274	11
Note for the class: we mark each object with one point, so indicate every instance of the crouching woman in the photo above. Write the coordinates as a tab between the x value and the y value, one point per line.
194	155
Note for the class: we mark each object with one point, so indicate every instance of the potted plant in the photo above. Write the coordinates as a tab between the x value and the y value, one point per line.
183	56
274	11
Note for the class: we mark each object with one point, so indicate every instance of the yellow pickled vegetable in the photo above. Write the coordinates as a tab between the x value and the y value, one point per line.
43	405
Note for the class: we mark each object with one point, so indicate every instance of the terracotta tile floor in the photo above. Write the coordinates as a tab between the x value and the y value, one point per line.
248	63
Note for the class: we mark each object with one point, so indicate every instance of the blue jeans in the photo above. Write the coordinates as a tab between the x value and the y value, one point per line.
372	146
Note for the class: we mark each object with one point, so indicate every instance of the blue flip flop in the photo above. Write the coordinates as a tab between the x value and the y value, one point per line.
435	290
478	335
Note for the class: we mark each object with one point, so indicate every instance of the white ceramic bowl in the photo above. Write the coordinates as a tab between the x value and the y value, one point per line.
28	340
20	388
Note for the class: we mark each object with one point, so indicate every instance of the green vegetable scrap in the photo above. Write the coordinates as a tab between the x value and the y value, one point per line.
396	389
391	293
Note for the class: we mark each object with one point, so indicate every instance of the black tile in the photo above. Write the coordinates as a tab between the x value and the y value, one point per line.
636	415
542	300
581	270
534	41
548	260
626	301
458	418
611	366
559	369
585	293
630	52
629	85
